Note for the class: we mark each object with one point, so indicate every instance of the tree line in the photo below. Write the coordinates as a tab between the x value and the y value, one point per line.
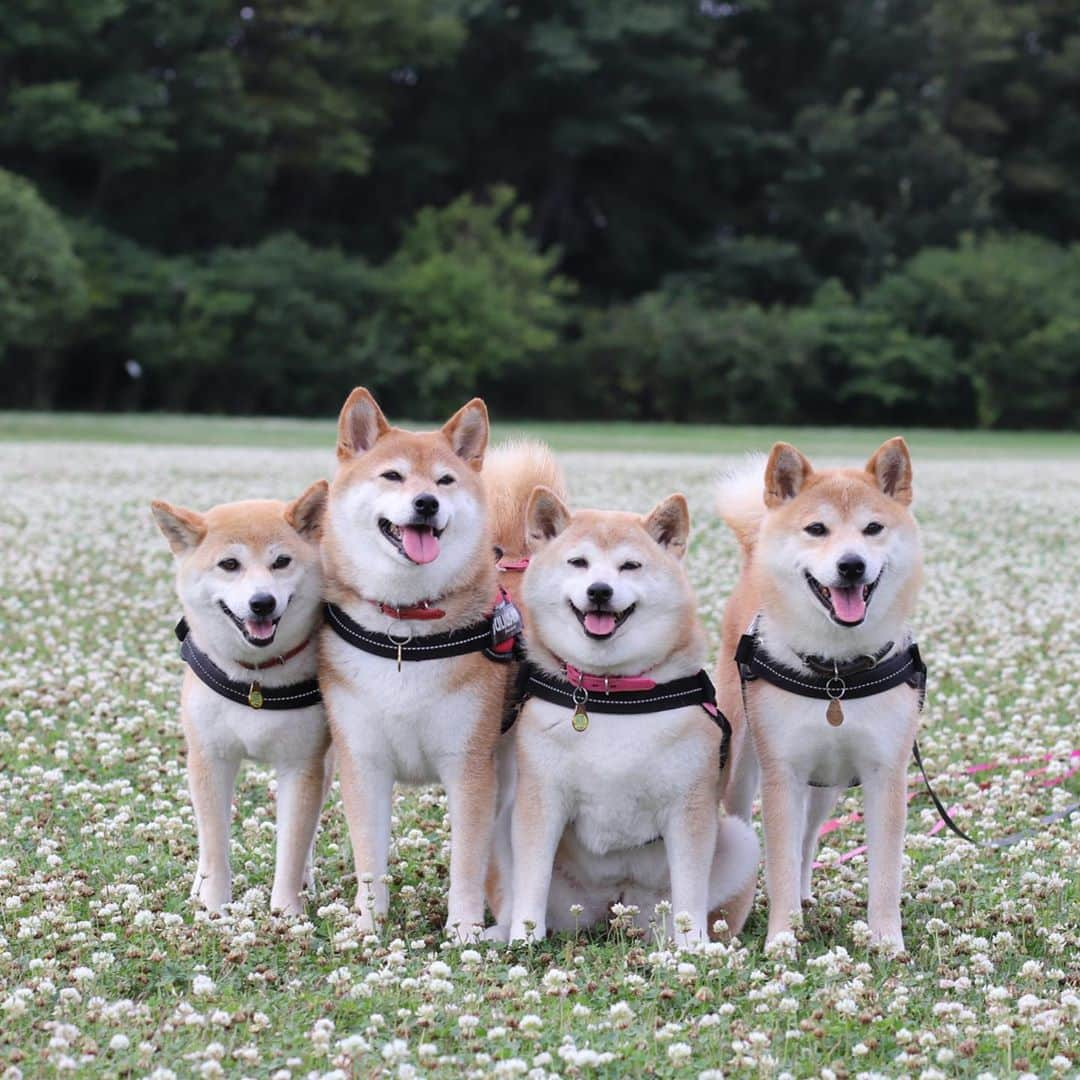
826	211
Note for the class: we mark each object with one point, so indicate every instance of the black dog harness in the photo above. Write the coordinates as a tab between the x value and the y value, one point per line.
299	695
495	636
663	697
830	680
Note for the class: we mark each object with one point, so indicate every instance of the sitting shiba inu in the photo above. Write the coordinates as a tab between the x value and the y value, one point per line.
619	745
250	583
831	680
417	654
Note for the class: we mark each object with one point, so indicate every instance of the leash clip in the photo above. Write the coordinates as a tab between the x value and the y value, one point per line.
399	642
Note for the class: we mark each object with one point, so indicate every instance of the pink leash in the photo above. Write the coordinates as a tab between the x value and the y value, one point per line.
850	819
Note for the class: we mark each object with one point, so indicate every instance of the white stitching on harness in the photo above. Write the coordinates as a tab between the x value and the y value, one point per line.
646	701
228	690
350	632
817	686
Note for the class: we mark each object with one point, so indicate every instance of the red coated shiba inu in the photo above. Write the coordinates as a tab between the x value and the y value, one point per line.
819	618
620	749
416	657
249	579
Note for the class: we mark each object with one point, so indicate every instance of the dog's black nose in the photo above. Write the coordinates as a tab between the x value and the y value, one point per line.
600	592
850	567
262	604
426	505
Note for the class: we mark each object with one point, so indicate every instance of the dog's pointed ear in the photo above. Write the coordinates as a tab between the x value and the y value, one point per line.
545	517
668	523
183	529
786	472
467	431
890	466
360	425
306	513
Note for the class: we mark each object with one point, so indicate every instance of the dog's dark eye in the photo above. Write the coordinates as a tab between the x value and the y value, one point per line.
444	481
873	528
578	562
393	475
281	562
816	528
229	564
630	565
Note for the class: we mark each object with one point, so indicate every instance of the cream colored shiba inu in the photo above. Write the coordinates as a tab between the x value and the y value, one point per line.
416	657
619	745
819	618
250	582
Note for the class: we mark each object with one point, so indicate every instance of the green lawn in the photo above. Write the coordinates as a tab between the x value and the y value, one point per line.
165	429
108	969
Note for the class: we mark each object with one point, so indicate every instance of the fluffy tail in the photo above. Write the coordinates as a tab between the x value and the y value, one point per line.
740	502
511	471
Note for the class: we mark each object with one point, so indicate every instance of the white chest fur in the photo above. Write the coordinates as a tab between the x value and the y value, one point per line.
228	730
876	732
618	779
410	721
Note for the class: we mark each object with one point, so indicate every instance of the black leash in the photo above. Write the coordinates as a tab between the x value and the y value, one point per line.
863	677
253	694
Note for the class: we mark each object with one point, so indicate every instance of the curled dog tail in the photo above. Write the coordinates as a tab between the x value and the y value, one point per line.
510	473
740	500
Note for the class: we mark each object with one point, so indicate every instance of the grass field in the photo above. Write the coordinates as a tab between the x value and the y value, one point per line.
107	969
278	433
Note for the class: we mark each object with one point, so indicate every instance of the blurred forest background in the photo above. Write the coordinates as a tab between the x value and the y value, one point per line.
828	211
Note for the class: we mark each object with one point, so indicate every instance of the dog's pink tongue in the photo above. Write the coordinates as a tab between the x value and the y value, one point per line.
259	628
849	604
599	622
420	543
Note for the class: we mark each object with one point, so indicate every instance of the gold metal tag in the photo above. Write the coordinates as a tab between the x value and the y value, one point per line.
834	713
580	719
255	698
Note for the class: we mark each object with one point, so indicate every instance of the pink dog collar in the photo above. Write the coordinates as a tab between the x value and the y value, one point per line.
514	564
607	684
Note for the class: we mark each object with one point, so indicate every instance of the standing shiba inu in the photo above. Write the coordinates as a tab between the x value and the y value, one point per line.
833	682
417	654
619	746
250	583
511	471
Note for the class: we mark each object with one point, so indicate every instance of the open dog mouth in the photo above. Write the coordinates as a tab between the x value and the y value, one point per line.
255	631
418	543
846	604
599	623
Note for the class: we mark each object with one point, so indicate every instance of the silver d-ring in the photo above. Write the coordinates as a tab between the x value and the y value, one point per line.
390	632
584	695
838	691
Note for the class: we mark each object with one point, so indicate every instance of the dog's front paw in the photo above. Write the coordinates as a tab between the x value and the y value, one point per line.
499	933
782	945
287	905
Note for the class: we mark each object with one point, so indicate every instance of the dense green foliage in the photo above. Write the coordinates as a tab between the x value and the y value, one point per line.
832	211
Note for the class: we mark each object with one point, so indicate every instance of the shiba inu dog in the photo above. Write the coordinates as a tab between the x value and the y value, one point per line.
250	582
416	657
511	471
619	746
832	568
